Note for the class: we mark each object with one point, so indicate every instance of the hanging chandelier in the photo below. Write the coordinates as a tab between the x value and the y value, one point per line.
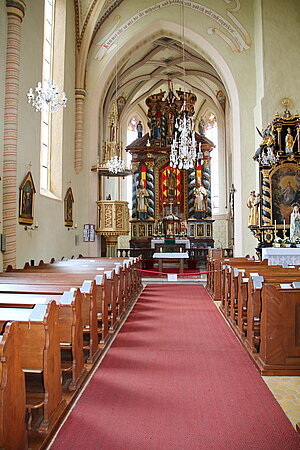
184	146
267	157
115	165
184	151
47	98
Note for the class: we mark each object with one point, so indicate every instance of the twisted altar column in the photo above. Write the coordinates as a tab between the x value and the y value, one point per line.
15	14
79	105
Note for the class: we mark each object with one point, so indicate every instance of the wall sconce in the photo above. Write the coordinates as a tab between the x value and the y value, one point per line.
74	227
32	227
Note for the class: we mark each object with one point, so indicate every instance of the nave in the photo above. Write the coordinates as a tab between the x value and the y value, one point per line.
176	377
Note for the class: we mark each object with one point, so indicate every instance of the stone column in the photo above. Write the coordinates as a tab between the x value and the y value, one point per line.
79	105
15	14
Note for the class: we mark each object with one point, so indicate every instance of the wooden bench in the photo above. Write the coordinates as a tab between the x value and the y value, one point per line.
40	352
280	331
13	433
70	323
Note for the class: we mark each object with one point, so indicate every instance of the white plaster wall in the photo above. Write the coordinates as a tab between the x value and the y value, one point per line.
52	239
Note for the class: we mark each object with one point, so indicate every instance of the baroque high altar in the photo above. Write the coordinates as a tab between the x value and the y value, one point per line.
169	204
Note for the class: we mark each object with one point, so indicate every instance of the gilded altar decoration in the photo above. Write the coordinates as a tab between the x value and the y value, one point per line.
165	197
68	208
26	204
278	157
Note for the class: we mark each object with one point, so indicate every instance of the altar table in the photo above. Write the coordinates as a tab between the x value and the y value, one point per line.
281	256
180	256
177	241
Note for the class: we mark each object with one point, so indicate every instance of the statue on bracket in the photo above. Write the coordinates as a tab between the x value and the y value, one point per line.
26	208
142	201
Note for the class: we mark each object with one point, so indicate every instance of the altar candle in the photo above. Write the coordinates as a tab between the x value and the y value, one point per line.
275	225
160	249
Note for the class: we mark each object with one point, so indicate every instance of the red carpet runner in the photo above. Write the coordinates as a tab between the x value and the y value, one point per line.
176	378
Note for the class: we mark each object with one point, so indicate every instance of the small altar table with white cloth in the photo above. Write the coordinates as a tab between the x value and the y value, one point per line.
180	256
177	241
281	256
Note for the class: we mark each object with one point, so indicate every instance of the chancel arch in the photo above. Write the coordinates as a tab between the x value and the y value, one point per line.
139	80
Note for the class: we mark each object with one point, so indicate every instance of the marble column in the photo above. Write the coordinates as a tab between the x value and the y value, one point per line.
79	106
15	14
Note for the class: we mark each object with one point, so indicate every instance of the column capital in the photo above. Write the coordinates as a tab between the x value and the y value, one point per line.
16	8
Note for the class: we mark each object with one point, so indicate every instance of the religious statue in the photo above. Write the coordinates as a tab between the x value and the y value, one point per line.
183	227
295	224
200	203
139	129
253	204
142	201
160	227
289	142
171	183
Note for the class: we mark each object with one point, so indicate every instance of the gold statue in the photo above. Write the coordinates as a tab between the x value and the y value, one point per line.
253	205
289	142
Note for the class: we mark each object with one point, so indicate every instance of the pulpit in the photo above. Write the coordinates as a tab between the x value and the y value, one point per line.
113	221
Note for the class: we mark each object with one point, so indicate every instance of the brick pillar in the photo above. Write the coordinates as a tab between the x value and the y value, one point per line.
15	14
79	105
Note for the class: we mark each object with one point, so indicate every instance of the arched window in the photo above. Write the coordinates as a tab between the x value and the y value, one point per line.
211	132
52	124
47	75
131	130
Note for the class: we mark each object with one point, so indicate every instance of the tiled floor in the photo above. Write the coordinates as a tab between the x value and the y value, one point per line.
286	390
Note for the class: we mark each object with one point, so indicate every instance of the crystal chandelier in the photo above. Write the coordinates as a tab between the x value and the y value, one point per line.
267	157
184	146
47	98
115	165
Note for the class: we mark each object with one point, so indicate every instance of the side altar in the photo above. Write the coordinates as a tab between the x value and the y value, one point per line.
169	204
274	216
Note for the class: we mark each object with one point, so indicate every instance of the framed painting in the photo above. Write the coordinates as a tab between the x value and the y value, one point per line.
285	185
26	204
68	208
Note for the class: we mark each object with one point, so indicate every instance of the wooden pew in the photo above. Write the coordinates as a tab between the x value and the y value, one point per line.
216	280
65	280
69	320
13	433
280	331
254	303
40	352
229	274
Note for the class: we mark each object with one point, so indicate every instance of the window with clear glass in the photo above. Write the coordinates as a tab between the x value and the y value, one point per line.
211	132
47	75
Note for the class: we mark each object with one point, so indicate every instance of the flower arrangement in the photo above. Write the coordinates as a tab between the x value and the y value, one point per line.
297	241
287	241
277	241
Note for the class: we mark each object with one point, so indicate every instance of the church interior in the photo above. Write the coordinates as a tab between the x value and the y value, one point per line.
150	224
